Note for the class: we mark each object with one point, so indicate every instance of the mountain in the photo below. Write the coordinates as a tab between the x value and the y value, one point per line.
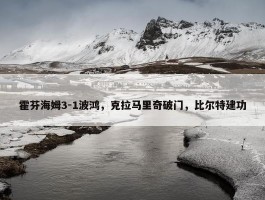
43	50
160	38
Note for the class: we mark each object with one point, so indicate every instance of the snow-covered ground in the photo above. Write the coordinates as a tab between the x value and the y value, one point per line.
189	61
36	93
16	134
188	88
208	66
13	139
85	117
254	115
219	150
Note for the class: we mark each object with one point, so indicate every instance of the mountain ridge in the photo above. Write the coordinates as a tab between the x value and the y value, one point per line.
161	38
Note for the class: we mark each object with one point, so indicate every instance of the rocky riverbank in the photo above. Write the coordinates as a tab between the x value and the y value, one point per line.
14	165
219	150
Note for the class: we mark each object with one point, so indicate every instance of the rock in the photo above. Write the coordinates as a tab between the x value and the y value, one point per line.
152	35
207	24
217	20
5	191
103	47
165	23
22	154
184	24
4	187
10	167
225	32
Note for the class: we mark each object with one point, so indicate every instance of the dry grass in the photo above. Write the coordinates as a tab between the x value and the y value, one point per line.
51	141
247	71
233	66
175	69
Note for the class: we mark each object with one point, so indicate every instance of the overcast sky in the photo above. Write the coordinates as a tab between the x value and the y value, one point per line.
23	21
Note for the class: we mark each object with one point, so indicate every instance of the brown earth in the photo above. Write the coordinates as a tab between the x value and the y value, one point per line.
175	66
10	167
159	67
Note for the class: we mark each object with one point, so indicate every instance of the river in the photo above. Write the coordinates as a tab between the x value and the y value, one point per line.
135	163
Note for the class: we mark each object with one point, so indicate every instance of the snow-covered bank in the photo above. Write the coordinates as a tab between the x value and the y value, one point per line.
219	150
15	135
106	117
26	146
14	139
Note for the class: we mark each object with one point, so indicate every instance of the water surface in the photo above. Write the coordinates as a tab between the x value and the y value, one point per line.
136	163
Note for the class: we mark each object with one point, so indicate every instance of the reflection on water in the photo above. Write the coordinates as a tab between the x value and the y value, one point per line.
135	163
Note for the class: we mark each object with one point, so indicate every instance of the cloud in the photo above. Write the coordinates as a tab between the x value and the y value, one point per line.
23	21
199	2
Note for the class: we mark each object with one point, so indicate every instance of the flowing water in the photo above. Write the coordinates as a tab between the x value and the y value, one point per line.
136	163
